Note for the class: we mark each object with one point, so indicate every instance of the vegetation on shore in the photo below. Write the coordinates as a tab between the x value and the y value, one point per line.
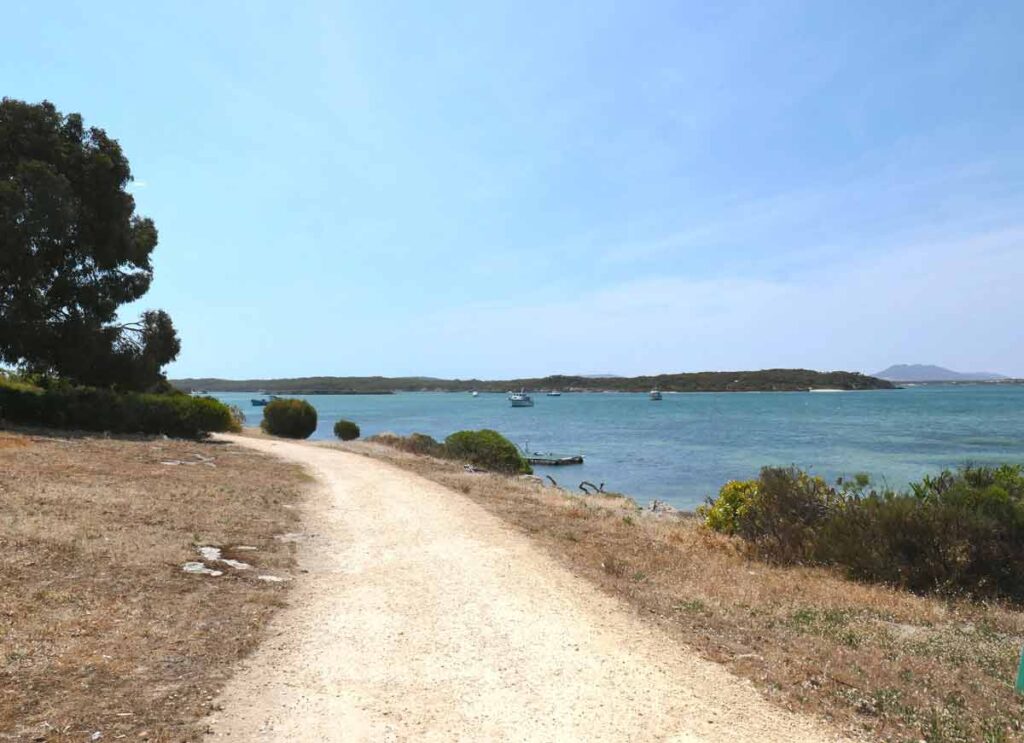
61	405
346	430
486	449
101	631
291	419
884	662
767	380
958	533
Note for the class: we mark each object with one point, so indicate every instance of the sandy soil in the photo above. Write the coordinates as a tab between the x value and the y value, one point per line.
424	617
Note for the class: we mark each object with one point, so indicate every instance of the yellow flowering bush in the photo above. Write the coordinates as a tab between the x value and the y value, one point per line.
734	502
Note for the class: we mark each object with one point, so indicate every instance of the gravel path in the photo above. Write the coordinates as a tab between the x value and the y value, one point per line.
423	617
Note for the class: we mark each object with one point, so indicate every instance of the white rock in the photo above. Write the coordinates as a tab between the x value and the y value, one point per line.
200	569
209	553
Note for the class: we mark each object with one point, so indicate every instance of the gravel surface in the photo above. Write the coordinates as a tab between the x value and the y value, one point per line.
423	617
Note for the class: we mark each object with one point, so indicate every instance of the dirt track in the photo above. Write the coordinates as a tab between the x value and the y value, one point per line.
423	617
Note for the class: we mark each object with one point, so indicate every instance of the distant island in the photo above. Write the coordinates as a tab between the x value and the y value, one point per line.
766	380
930	373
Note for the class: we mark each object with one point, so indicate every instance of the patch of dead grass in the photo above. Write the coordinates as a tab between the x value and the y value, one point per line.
100	630
883	663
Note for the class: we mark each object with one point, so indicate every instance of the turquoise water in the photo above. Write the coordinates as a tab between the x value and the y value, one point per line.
683	448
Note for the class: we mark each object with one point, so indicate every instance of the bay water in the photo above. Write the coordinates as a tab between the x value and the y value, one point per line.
683	448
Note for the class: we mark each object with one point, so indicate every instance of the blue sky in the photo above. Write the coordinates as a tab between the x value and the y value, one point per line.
475	189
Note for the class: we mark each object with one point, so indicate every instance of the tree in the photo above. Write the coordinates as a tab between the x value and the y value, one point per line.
72	251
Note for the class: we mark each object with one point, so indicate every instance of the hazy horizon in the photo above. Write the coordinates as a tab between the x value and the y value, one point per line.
496	192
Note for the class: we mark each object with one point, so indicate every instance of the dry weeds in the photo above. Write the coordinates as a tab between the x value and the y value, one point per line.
883	663
100	630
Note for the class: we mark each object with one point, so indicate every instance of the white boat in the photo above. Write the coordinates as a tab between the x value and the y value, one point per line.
520	399
474	393
554	393
655	395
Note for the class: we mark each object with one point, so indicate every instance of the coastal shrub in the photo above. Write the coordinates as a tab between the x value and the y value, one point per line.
787	513
778	514
417	443
487	449
726	512
90	409
289	418
959	532
346	430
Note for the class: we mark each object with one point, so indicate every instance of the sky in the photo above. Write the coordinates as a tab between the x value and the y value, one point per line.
510	189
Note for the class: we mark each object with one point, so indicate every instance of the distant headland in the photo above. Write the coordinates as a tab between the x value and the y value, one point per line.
931	373
765	380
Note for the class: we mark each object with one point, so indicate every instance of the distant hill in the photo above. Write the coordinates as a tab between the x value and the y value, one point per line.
929	373
766	380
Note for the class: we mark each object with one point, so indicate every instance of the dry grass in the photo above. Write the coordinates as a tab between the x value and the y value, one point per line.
882	663
100	630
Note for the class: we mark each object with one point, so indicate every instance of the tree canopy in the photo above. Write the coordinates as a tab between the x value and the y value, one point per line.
72	251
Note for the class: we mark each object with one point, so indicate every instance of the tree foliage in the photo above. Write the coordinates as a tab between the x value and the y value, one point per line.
72	251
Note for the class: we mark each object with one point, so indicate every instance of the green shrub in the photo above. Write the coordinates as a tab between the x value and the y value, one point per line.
290	418
417	443
86	408
22	382
346	430
487	449
959	532
778	514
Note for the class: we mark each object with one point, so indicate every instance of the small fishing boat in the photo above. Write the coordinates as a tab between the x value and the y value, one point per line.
554	393
549	459
474	393
520	399
655	394
259	402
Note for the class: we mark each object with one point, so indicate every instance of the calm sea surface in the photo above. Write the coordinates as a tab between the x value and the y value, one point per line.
683	448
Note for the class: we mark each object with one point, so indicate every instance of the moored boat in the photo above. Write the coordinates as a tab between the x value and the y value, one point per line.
655	394
520	399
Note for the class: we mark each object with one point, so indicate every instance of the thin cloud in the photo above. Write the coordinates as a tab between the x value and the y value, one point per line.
862	314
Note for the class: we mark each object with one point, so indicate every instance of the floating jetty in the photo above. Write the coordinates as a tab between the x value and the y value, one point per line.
552	460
